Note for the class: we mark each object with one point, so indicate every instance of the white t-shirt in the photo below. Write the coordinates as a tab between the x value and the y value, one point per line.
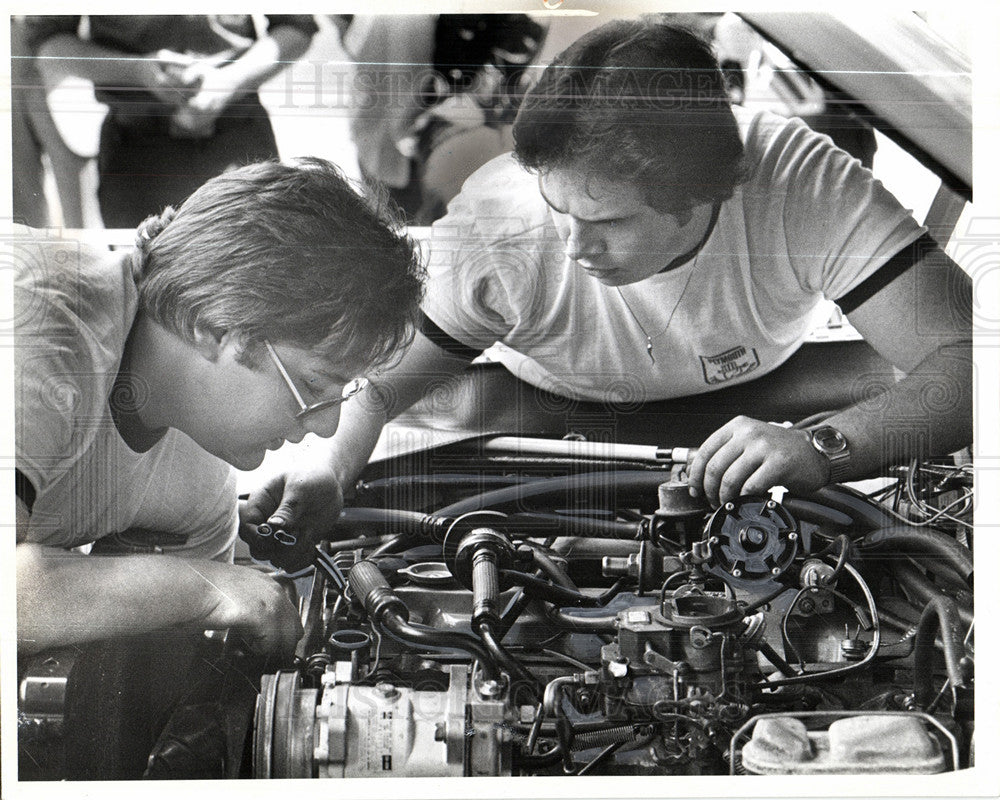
74	307
808	225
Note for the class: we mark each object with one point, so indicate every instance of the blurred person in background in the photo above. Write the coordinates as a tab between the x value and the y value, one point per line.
761	77
434	98
181	92
35	140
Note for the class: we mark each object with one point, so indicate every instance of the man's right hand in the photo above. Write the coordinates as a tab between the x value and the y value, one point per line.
301	507
306	501
252	603
166	74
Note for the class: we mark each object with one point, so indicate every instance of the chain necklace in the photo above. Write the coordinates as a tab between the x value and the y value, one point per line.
649	339
677	262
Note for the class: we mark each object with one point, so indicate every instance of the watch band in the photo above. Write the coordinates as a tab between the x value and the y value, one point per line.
840	467
833	445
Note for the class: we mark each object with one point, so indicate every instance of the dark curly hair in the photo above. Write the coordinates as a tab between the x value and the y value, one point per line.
641	101
285	251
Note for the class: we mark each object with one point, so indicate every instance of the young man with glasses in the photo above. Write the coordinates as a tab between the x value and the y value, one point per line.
243	320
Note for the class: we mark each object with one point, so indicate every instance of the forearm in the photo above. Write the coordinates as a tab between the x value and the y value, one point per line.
67	598
64	55
265	59
929	412
424	366
362	421
352	445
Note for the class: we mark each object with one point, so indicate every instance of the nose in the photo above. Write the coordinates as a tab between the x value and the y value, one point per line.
582	241
323	423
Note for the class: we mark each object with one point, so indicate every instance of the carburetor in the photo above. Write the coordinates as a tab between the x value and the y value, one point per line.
689	653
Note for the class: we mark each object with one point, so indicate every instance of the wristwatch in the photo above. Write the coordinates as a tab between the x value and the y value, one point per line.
832	444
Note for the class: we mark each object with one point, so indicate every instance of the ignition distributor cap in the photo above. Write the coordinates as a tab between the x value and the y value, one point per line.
757	540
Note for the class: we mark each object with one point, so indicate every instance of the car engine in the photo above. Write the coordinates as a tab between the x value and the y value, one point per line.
510	606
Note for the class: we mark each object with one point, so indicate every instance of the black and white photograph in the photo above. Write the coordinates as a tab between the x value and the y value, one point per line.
558	400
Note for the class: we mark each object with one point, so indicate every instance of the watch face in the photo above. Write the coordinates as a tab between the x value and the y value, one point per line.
829	440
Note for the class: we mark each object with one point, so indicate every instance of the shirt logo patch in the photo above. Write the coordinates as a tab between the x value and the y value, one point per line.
728	365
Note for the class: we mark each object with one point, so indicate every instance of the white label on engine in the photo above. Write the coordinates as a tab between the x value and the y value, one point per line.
375	742
380	753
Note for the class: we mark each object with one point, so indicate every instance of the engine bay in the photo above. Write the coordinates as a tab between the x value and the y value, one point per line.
509	606
513	606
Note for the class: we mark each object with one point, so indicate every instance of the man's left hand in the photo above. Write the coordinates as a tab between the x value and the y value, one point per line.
747	456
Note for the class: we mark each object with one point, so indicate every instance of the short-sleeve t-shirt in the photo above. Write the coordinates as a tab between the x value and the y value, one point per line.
808	224
74	307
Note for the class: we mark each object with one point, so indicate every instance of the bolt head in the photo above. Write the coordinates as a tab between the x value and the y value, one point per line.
618	669
386	689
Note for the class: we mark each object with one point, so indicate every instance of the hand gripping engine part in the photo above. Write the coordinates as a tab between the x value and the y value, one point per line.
600	623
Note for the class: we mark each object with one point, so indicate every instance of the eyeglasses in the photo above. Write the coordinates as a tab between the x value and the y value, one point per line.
350	389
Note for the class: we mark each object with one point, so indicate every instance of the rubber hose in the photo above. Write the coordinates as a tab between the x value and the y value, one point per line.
839	505
414	634
548	565
536	523
940	613
386	609
391	519
566	491
449	480
485	586
390	544
900	537
507	661
602	624
923	590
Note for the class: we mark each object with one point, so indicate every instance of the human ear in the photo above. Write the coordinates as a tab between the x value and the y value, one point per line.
209	343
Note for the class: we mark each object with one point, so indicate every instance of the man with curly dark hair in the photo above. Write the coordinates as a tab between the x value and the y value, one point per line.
646	237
